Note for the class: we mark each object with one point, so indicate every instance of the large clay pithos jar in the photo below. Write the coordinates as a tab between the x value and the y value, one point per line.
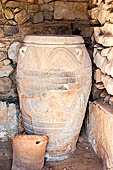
54	82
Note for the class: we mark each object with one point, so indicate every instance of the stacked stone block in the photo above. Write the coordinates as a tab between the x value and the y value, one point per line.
101	109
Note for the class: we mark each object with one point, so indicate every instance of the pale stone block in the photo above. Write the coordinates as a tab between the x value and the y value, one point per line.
47	7
109	68
104	35
110	54
110	18
5	70
103	62
4	1
104	93
95	2
70	10
10	30
48	15
30	1
47	1
38	17
40	2
6	62
98	46
12	4
96	92
93	13
97	75
1	32
8	13
2	44
107	29
106	99
97	35
102	15
16	10
5	85
12	22
33	8
100	132
108	1
13	51
107	40
99	86
22	17
111	100
99	60
3	55
16	4
8	120
105	52
108	83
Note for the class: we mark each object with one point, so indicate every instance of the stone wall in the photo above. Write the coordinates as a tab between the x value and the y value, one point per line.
37	17
101	18
101	132
100	114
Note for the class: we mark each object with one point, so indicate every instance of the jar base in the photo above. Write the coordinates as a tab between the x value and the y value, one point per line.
49	158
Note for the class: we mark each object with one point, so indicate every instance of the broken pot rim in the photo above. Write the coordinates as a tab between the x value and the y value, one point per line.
31	137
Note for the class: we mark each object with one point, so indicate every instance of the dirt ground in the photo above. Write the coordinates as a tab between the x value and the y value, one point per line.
83	159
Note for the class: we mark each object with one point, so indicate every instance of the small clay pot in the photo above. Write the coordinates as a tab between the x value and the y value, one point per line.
29	152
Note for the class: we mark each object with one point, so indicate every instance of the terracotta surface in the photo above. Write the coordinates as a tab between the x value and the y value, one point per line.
29	152
54	82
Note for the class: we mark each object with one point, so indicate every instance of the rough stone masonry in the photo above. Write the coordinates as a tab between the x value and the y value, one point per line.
101	107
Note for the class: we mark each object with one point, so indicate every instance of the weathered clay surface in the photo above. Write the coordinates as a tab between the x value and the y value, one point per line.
29	152
101	132
53	90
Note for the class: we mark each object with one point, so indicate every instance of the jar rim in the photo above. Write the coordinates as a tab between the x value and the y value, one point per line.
64	39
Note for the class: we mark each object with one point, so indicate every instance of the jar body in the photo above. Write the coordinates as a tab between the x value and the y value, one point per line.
54	82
